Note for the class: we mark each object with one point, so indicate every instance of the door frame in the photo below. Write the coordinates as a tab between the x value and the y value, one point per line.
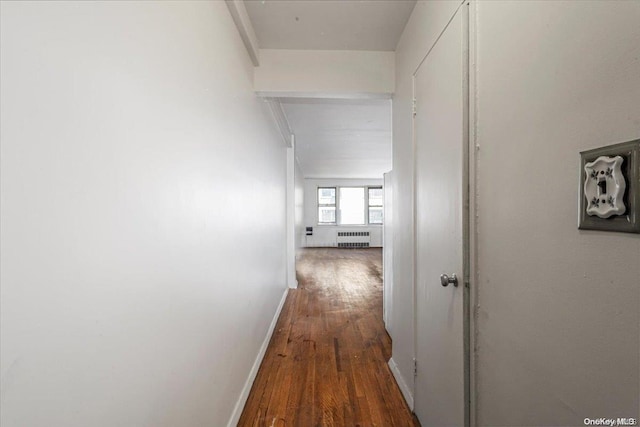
469	195
472	225
387	252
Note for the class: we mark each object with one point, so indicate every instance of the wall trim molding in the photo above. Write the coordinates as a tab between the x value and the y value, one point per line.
324	95
292	282
244	395
404	388
281	120
241	18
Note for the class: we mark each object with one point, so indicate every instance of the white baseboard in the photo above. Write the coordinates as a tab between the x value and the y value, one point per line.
244	395
404	388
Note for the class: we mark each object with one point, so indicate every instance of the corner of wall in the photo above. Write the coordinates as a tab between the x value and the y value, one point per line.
244	394
404	387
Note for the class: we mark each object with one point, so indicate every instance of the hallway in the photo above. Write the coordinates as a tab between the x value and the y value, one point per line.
176	178
327	360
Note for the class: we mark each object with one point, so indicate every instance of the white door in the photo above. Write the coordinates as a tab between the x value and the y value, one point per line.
440	155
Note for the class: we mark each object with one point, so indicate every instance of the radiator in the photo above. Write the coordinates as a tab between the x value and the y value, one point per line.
353	239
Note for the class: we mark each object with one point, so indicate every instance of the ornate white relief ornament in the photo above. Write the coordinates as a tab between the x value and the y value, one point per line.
604	187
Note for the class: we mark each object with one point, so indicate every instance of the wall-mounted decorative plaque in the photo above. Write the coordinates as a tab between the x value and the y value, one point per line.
610	188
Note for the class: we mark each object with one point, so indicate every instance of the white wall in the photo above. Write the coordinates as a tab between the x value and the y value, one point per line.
292	251
387	252
325	73
427	20
299	208
325	235
143	214
558	318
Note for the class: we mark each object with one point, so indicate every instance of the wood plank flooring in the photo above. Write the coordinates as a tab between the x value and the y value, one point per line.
326	364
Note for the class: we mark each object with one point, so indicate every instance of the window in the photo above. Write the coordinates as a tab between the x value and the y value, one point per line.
350	205
376	196
326	205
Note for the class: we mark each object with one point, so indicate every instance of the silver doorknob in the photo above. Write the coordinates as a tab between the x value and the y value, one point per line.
445	280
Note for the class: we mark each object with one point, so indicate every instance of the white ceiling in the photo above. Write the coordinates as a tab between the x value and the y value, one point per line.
329	24
335	138
341	138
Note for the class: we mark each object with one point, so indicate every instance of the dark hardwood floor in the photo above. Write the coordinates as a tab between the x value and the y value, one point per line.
326	364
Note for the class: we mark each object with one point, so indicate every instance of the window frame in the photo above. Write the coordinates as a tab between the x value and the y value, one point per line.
369	205
336	205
